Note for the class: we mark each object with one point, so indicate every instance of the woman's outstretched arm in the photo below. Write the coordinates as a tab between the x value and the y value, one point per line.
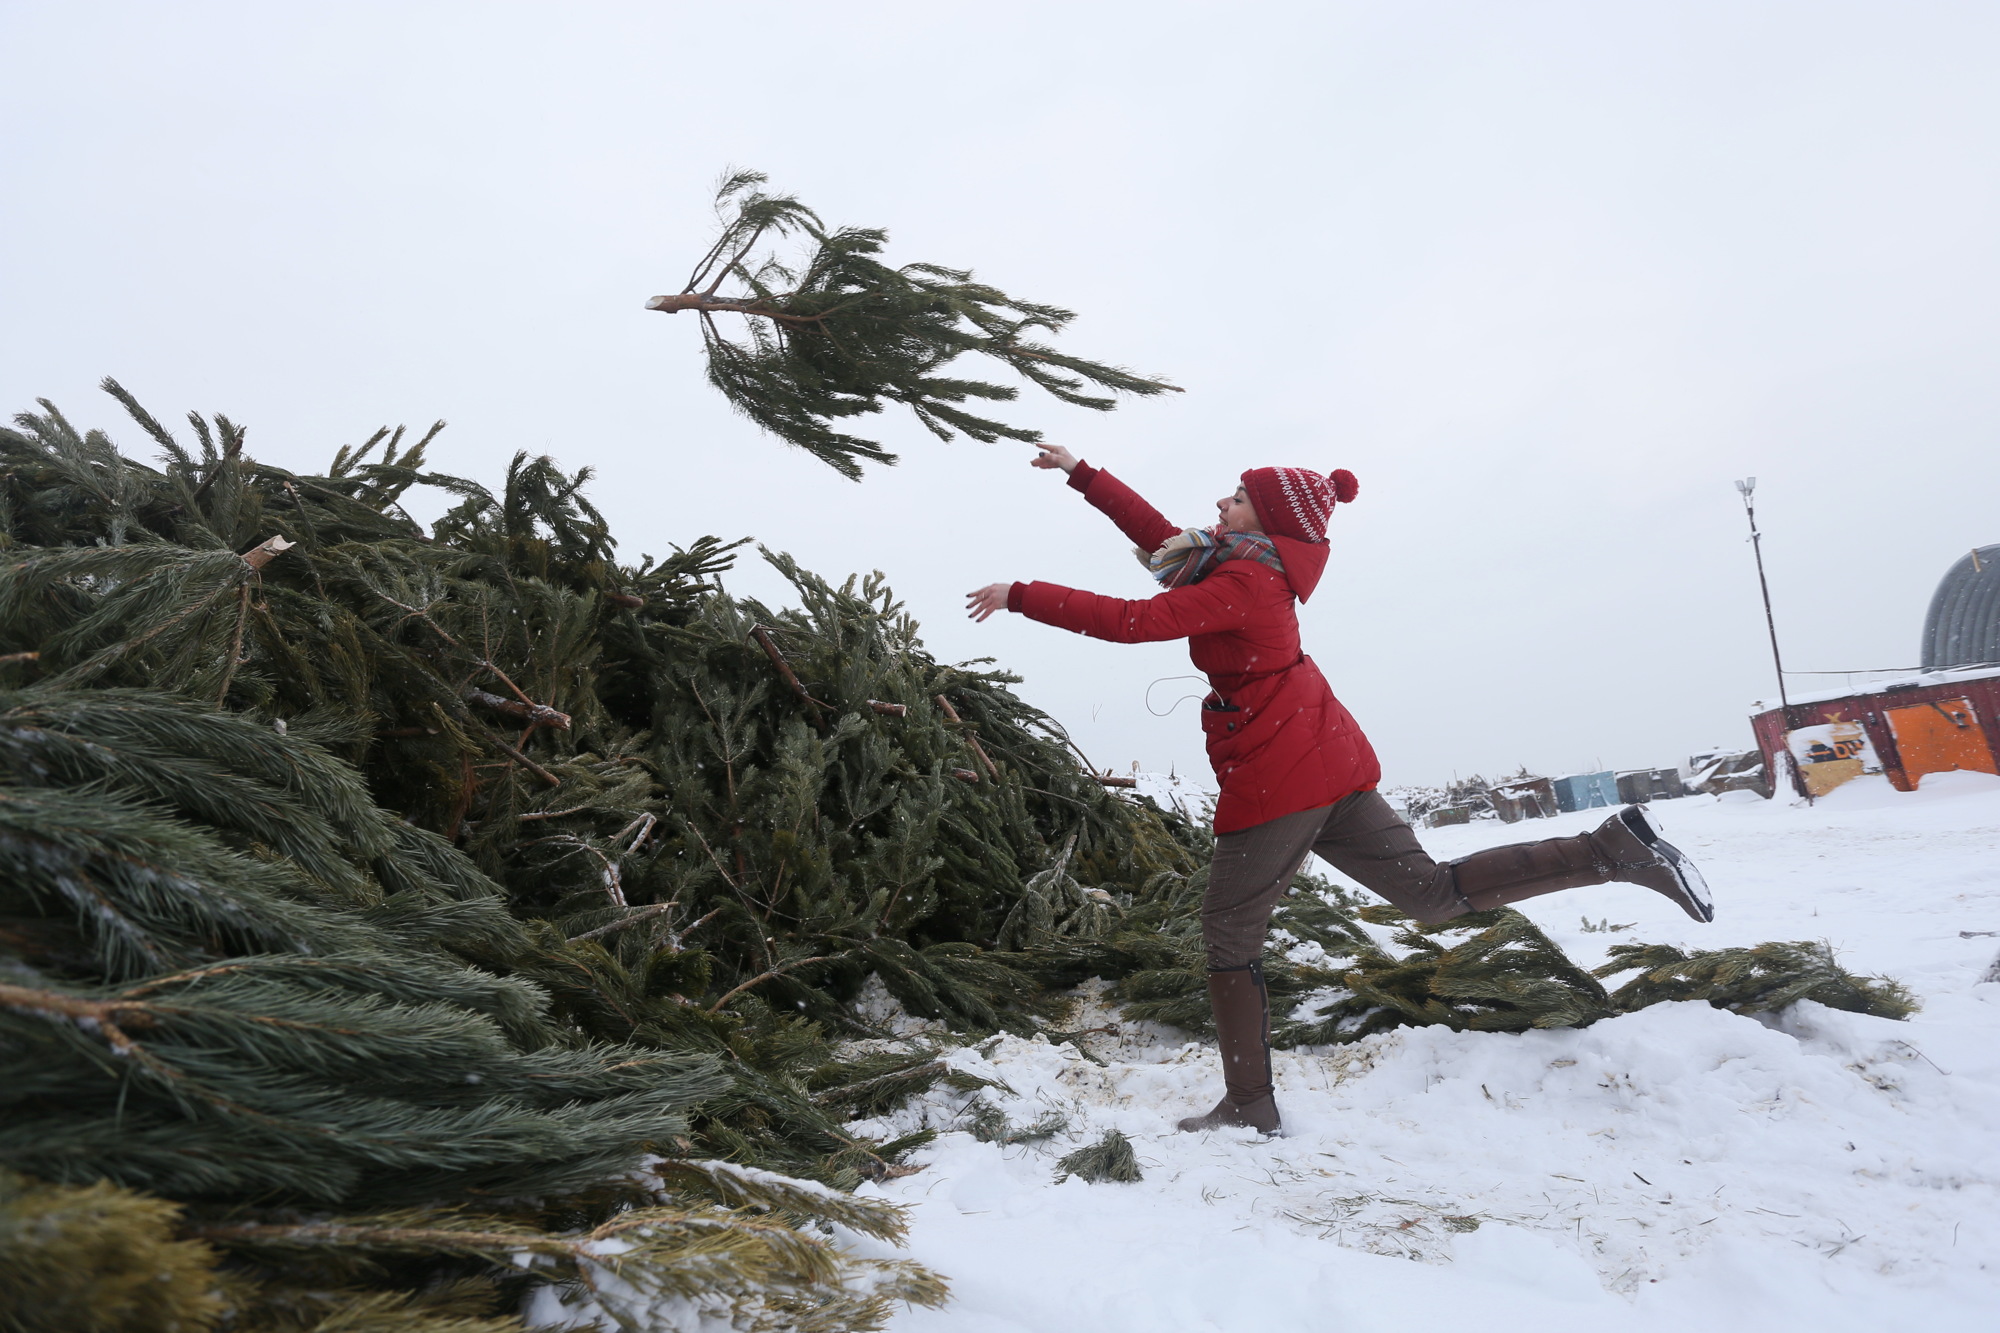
1139	521
1227	599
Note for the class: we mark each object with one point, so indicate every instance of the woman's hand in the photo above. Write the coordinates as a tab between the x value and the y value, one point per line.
993	597
1054	455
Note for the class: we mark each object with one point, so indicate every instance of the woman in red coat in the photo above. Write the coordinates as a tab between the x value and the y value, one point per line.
1297	776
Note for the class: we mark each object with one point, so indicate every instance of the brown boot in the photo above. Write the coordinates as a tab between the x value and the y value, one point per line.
1627	847
1243	1031
1639	855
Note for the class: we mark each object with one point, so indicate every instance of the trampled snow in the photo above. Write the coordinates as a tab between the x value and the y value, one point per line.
1677	1167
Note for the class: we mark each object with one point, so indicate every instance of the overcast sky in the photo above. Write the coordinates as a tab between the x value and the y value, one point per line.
1546	276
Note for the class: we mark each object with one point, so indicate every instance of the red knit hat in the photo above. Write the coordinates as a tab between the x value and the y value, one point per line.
1292	502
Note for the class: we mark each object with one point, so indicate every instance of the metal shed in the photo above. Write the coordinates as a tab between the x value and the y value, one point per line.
1524	798
1715	772
1586	791
1962	628
1931	723
1640	785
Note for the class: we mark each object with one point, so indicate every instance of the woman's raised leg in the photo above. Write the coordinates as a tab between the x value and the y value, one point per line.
1367	840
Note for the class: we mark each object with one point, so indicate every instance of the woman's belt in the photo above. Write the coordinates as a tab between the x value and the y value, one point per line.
1246	679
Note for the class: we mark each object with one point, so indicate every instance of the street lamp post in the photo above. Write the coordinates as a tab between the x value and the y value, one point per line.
1747	488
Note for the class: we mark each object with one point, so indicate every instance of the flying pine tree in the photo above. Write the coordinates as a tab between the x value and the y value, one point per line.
840	333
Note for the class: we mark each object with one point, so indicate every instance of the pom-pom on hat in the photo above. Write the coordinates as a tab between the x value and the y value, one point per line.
1294	502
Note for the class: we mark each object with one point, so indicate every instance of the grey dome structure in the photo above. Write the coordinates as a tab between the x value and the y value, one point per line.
1963	626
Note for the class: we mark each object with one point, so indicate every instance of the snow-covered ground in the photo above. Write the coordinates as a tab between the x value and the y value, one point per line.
1681	1167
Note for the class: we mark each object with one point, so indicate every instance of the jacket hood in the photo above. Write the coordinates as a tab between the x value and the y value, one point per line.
1304	563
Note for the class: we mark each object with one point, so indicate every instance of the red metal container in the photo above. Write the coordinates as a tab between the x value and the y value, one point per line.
1933	723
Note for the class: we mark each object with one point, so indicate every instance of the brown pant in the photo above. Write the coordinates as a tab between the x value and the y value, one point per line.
1361	836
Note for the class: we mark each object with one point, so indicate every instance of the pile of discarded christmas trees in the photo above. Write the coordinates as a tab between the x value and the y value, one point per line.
454	928
368	886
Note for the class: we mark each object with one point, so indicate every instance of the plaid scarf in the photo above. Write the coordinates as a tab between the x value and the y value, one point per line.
1194	553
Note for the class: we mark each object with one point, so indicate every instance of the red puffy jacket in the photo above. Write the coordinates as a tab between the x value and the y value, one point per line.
1280	742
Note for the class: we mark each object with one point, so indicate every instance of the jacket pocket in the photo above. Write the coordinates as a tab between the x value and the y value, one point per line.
1222	730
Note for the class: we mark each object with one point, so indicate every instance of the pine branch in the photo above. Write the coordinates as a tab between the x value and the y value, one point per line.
762	977
1109	1159
841	333
539	715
